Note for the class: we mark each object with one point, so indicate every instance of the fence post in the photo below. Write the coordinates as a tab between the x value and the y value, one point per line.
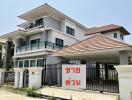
125	81
2	76
16	84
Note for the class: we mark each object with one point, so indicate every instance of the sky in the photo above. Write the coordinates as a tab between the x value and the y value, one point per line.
90	13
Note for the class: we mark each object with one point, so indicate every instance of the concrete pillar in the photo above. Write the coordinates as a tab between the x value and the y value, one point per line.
16	79
123	57
2	76
35	77
125	81
8	54
21	79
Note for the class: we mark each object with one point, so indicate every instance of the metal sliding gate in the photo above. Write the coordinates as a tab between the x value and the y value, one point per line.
9	77
51	75
104	79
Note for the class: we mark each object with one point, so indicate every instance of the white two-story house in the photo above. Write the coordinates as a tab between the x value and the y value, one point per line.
44	31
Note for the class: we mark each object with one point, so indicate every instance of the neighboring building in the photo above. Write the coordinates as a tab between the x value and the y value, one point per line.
45	31
113	31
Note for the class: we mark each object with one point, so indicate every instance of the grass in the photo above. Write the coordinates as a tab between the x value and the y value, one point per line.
14	90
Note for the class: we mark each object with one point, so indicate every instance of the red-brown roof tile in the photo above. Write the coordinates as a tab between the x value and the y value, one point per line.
107	28
96	42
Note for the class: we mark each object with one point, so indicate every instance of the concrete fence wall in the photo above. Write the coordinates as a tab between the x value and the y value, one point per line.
125	81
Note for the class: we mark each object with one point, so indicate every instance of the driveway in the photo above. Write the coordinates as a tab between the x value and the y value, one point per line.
4	95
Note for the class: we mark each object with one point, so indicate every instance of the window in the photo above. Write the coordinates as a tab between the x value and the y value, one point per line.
70	31
35	41
40	62
32	63
20	64
39	22
121	37
59	42
26	63
115	35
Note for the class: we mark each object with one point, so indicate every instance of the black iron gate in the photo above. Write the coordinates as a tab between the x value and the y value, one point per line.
9	77
103	79
52	75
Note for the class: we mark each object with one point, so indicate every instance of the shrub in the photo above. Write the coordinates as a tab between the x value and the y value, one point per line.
32	93
52	98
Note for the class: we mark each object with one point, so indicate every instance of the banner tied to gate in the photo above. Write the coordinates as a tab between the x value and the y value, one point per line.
74	76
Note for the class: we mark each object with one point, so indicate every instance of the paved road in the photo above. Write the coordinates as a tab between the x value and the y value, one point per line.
4	95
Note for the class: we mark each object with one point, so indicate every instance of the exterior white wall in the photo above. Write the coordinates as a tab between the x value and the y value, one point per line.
68	40
35	36
79	32
62	26
111	34
51	22
52	60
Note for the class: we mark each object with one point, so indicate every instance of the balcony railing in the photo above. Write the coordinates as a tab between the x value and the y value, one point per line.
37	46
32	26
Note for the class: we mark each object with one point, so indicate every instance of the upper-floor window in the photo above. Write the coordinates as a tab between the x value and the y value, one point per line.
70	31
39	22
115	35
59	42
35	41
121	37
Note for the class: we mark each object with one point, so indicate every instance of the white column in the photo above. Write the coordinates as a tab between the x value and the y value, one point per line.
21	79
125	81
16	79
2	76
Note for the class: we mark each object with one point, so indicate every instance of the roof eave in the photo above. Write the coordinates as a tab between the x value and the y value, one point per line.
61	14
127	48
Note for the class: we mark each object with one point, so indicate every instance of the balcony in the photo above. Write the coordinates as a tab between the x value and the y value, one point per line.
38	46
33	26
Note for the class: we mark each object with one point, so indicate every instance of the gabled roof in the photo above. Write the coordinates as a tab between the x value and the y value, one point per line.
46	9
107	28
97	42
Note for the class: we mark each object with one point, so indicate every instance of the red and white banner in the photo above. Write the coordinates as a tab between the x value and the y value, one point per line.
74	76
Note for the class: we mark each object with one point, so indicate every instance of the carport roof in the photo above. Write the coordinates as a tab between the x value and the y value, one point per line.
94	44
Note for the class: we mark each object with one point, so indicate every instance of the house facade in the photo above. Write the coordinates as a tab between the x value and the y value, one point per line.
45	31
